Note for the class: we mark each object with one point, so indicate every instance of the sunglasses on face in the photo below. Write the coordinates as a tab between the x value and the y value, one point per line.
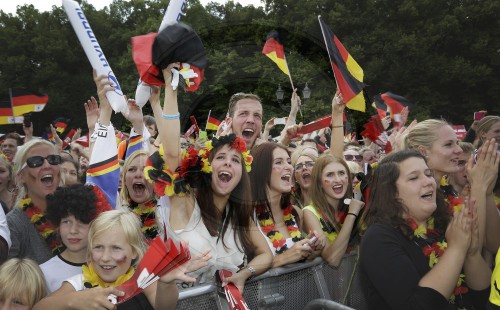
37	161
307	164
360	176
353	157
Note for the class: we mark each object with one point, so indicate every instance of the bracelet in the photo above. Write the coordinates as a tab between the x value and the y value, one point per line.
355	215
171	116
338	126
252	271
156	146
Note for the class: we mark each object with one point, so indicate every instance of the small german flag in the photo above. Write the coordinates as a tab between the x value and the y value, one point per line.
396	104
212	122
275	51
348	73
60	124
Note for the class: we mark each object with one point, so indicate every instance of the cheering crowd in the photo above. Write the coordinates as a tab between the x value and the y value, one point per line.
423	214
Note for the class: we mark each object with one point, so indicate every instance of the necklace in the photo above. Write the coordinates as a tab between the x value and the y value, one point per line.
328	228
146	212
452	198
267	225
91	278
433	246
45	228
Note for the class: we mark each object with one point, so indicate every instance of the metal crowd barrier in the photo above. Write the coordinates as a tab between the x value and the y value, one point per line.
290	287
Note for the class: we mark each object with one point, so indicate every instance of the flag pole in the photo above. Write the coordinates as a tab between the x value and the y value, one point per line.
327	50
291	83
208	119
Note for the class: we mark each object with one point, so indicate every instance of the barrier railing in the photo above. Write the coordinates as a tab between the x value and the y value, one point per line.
290	287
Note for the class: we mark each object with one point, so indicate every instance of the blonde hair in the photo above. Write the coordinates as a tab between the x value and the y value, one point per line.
466	147
303	151
124	194
22	279
124	219
20	160
354	167
8	165
424	133
484	125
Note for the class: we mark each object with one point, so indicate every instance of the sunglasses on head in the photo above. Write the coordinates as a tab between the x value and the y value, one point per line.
307	164
37	161
353	157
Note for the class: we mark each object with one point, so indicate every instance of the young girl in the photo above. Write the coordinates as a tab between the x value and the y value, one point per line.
216	216
116	245
71	209
21	284
328	211
414	255
274	214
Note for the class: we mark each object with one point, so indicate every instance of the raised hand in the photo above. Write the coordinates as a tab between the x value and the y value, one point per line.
92	112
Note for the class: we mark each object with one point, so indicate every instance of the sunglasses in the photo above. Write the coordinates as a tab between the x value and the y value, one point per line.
353	157
307	164
37	161
360	176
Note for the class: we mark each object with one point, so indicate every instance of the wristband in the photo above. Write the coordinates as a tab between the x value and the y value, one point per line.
355	215
338	126
171	116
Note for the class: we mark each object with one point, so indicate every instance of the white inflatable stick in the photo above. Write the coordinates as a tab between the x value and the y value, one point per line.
94	53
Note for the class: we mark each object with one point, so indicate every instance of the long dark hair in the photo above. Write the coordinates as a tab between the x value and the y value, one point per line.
260	177
238	213
386	207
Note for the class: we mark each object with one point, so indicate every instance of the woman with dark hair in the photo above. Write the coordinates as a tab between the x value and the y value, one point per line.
206	197
274	213
414	255
329	212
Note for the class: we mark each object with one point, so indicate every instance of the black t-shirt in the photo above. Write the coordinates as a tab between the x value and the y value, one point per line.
391	267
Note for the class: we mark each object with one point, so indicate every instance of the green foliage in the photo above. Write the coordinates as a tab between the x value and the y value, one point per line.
441	55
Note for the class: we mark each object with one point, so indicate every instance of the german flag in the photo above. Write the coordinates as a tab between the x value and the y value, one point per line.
24	101
275	51
6	112
348	73
60	124
380	106
212	122
396	104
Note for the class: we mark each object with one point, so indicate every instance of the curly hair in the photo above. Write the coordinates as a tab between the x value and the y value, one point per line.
77	200
386	207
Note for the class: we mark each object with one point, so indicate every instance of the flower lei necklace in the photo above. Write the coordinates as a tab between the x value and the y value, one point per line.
328	228
91	278
452	198
193	165
267	225
433	246
45	229
146	212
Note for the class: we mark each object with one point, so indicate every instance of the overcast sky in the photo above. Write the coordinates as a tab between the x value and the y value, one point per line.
9	6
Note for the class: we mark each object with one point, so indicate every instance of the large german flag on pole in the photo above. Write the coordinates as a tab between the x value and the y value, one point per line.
348	74
24	101
275	51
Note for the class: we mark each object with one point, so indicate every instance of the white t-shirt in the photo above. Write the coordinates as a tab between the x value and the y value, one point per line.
4	228
57	270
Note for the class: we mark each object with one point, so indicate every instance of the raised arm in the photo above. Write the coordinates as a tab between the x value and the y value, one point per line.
167	121
337	136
